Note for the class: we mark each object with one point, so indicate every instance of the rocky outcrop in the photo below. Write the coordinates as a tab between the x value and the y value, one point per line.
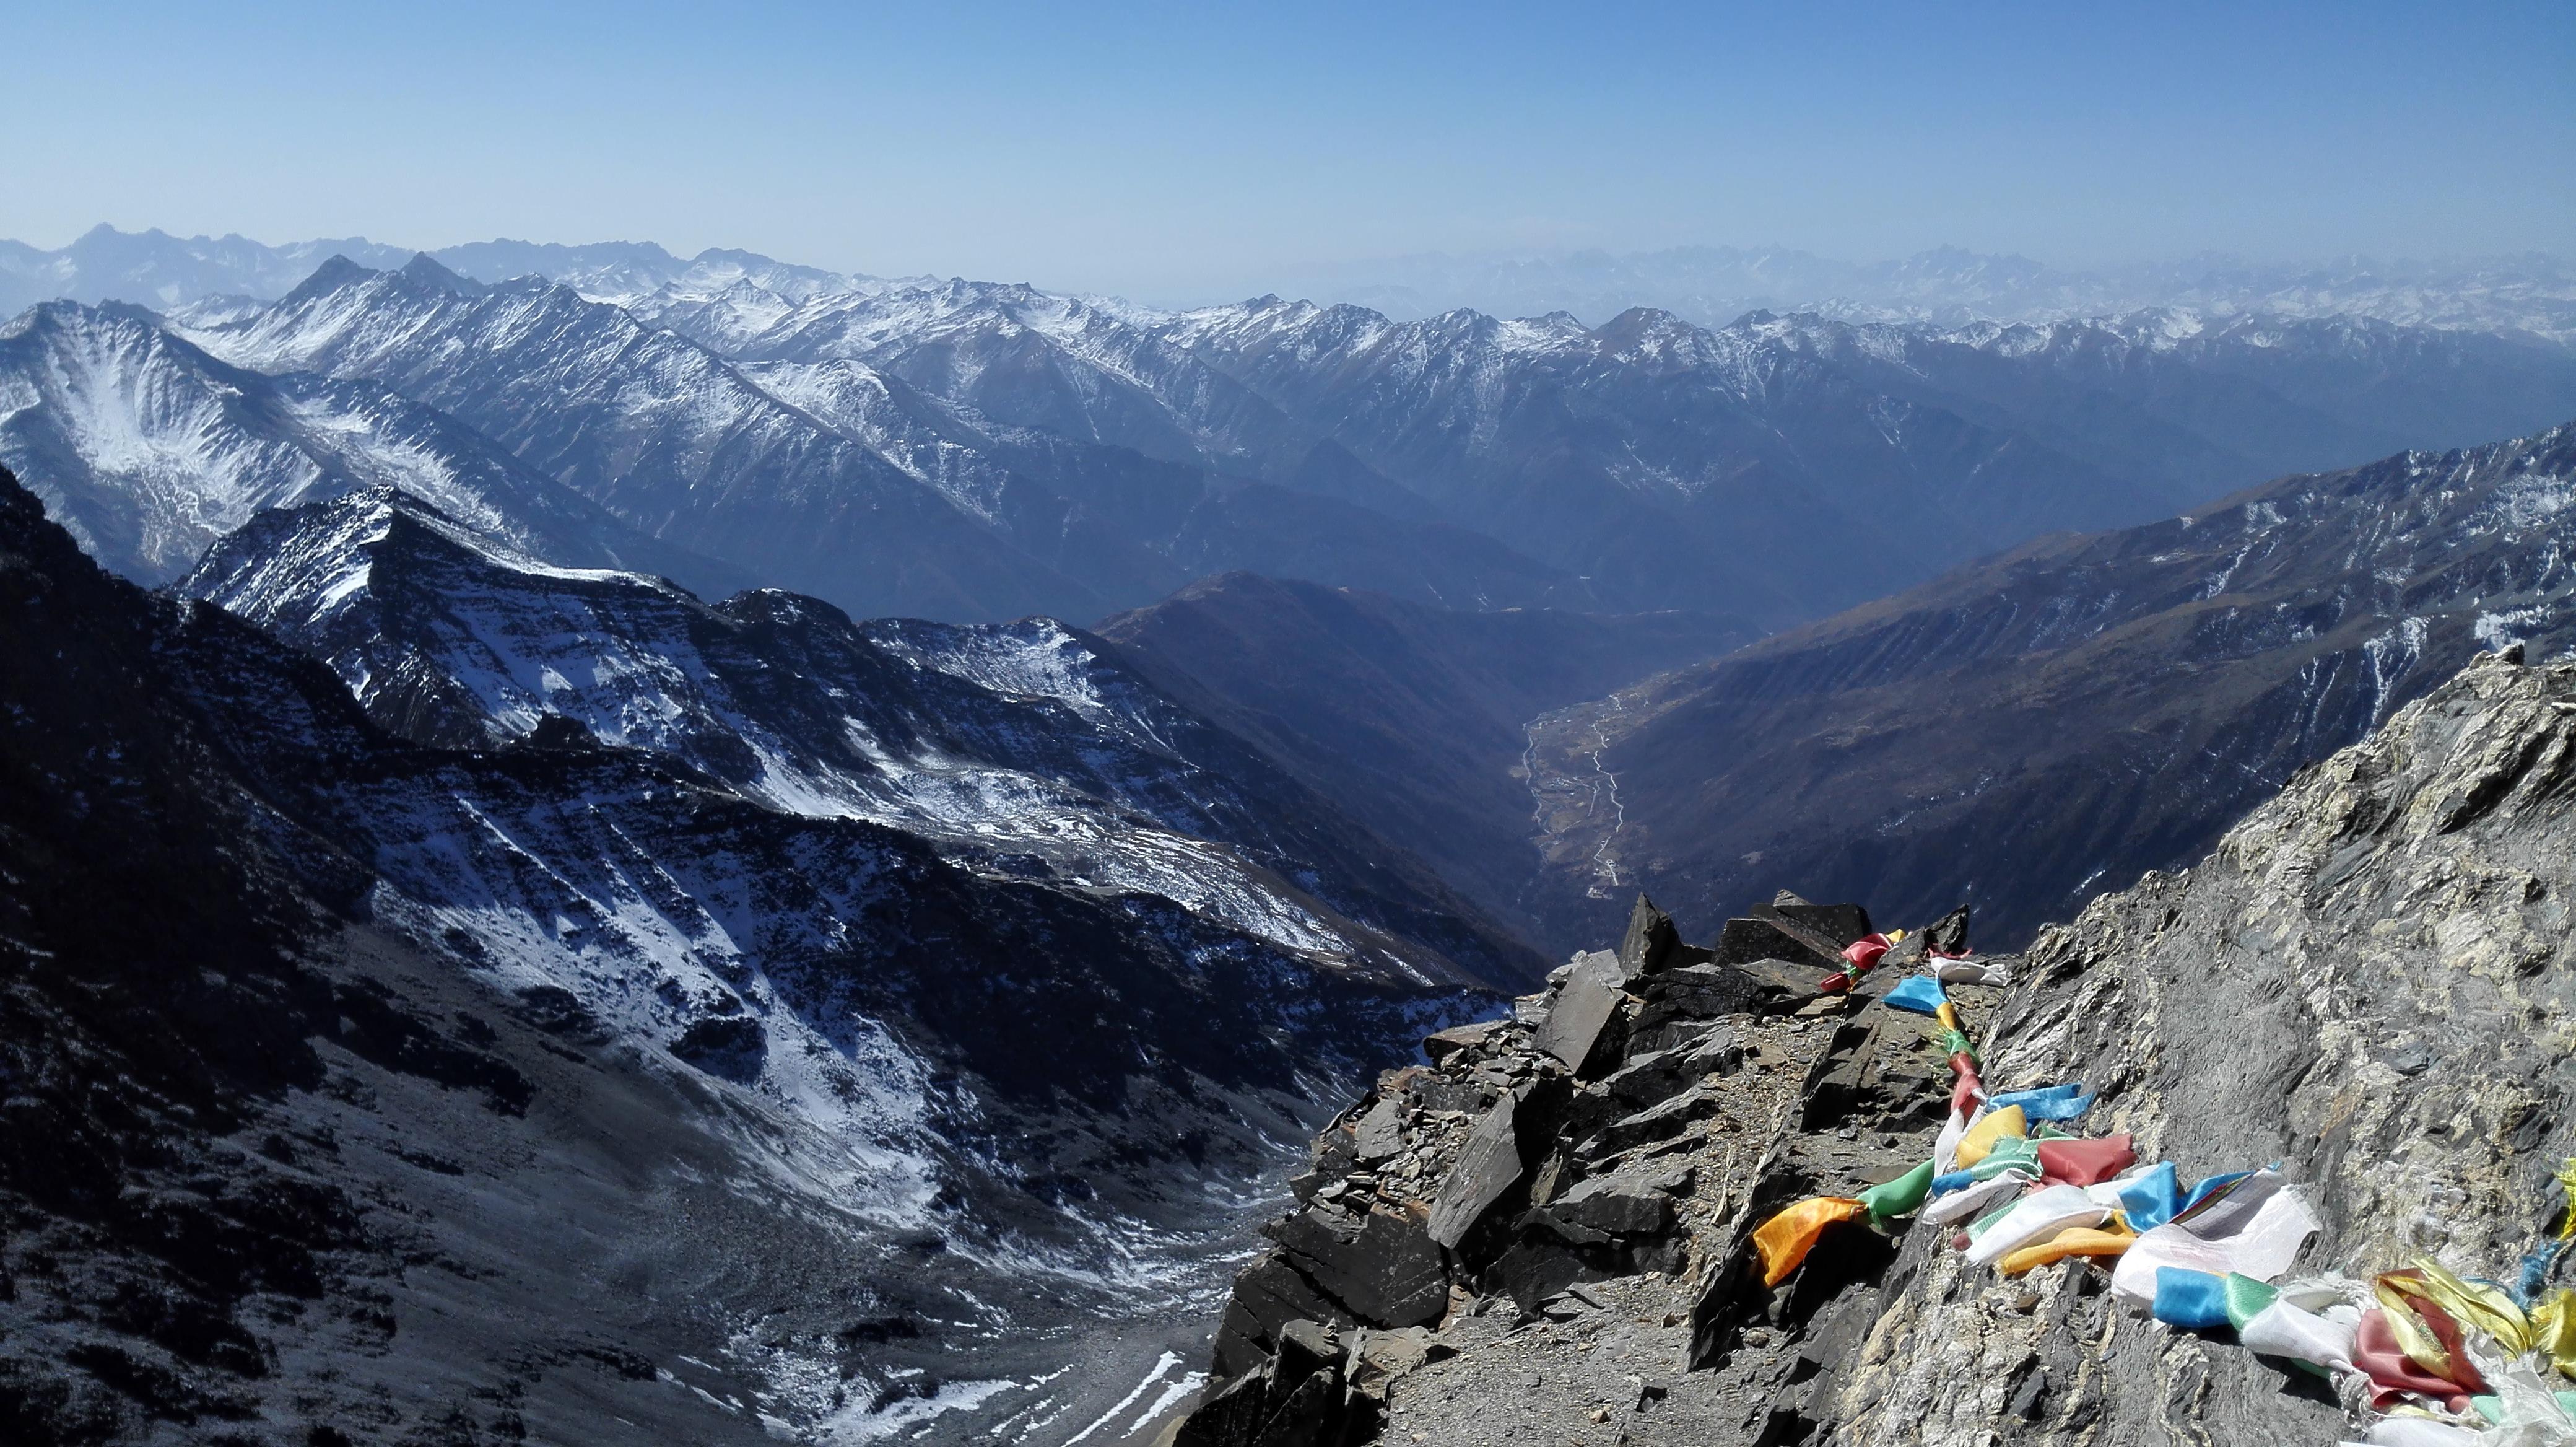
2367	983
1568	1145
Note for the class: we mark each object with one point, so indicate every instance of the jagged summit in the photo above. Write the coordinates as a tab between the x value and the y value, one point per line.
426	271
334	273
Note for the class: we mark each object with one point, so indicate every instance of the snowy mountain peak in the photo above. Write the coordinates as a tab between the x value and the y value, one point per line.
148	448
323	556
333	274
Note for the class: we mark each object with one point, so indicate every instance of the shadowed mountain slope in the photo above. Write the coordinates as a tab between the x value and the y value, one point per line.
370	1091
1413	719
2038	728
1020	751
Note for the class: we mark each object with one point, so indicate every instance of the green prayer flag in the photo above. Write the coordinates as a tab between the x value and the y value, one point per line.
1900	1197
1978	1227
2245	1297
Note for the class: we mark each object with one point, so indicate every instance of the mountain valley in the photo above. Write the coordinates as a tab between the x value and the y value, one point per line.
2035	729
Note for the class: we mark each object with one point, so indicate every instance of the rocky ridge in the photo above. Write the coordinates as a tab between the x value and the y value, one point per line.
1543	1236
358	1089
1021	751
148	449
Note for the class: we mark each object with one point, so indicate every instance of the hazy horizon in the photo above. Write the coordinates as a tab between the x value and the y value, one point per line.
1362	275
1162	150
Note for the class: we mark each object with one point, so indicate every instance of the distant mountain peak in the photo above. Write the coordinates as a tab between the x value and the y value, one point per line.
330	276
424	270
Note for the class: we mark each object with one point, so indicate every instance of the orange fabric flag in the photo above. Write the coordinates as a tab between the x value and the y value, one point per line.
2074	1241
1786	1238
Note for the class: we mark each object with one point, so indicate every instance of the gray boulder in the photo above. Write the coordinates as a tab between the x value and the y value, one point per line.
1652	942
1618	1205
1441	1044
1582	1027
1377	1264
1380	1132
1488	1167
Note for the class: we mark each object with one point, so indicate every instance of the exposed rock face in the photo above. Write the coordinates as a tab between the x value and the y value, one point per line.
2368	983
1537	1154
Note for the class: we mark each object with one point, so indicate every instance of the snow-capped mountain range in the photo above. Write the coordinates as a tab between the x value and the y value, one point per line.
1709	285
2533	294
149	450
155	269
974	452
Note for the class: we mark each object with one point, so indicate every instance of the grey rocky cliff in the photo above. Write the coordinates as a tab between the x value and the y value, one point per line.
2367	983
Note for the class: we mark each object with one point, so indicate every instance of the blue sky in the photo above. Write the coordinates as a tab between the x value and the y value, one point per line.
1159	148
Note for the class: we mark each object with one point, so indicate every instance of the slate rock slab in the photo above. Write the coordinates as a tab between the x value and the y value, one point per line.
1381	1130
1652	940
1700	992
1268	1295
1441	1044
1579	1031
1615	1206
1380	1266
1487	1167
